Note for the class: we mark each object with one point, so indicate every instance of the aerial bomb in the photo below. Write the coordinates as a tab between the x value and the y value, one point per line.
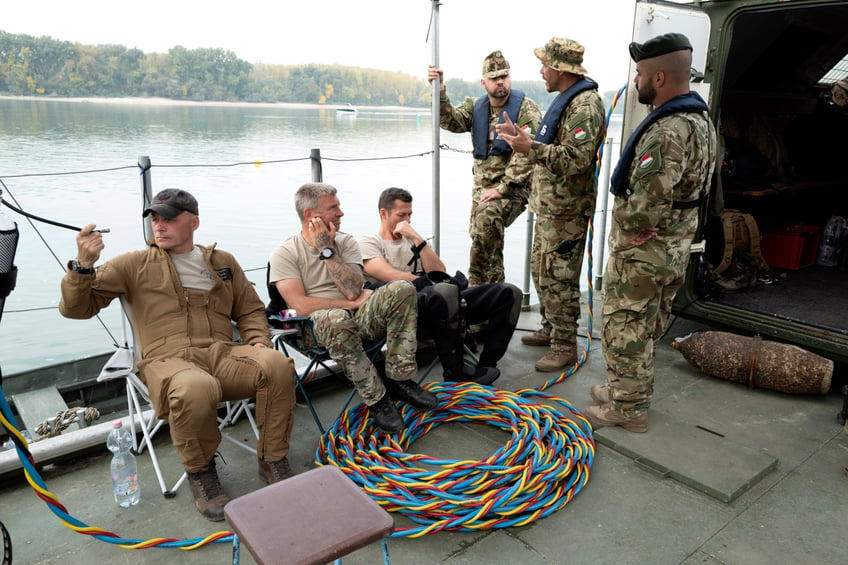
756	362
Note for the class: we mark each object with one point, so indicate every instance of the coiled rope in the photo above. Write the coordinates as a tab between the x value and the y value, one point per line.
52	427
541	468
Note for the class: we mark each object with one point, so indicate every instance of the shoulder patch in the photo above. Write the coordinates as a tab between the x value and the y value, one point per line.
579	134
649	160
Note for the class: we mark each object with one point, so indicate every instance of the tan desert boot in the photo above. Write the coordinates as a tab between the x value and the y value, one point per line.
536	339
555	360
606	415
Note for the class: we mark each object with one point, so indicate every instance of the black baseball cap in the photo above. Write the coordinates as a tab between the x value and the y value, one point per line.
172	202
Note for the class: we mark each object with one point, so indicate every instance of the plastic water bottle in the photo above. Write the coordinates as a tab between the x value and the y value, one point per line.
123	467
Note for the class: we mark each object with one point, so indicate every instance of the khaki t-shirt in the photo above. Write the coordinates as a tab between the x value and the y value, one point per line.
397	253
296	259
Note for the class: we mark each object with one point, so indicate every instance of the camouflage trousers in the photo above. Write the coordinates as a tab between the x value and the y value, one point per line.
637	305
555	263
486	228
391	312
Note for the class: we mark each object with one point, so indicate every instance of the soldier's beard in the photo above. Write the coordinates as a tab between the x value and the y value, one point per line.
647	95
500	92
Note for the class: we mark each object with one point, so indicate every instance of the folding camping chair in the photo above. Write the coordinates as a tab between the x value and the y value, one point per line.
299	342
122	364
295	337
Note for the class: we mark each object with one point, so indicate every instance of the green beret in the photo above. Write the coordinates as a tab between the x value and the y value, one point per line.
659	45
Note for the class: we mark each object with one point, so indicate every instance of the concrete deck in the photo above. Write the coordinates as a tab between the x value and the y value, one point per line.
725	475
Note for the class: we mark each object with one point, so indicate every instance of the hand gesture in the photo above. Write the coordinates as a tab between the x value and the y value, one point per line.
319	235
405	229
517	138
89	246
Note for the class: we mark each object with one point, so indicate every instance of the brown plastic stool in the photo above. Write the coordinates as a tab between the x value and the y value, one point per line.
314	517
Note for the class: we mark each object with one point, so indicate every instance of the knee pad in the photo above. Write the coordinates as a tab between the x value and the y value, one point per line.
518	296
450	293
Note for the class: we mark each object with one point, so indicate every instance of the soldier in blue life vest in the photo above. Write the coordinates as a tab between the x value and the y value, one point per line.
563	154
501	179
663	175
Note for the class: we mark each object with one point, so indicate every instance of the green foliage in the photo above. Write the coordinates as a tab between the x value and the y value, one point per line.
45	66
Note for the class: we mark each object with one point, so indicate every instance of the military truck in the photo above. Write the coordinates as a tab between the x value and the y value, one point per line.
770	71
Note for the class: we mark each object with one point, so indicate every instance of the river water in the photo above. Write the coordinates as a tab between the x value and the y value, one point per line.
76	162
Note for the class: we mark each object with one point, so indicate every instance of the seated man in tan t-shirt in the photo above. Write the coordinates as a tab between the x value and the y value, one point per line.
398	252
318	273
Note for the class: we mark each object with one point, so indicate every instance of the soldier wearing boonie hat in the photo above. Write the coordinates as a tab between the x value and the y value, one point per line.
662	176
565	55
501	182
562	195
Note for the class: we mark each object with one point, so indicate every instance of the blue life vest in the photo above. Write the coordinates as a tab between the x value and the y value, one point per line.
550	123
682	103
480	125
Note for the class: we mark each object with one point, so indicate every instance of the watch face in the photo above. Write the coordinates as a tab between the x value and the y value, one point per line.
327	252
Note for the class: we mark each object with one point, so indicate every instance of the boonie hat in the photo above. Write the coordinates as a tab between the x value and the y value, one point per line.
172	202
494	65
659	45
562	55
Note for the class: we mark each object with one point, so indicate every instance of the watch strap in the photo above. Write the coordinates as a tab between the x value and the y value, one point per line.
75	266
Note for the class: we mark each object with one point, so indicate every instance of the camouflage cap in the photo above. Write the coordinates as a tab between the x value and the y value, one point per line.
494	65
562	55
659	45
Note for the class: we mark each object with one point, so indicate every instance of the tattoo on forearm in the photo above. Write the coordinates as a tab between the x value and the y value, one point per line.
347	279
322	240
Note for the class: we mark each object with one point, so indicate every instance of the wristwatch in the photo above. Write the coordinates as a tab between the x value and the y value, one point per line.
326	253
75	266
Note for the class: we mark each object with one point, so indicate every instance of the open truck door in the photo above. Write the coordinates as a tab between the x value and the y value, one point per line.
657	18
775	75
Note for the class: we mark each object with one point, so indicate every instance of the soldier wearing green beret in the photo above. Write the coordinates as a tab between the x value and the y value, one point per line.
501	179
563	153
664	173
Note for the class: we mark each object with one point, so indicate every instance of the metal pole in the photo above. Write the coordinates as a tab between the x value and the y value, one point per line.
146	194
601	214
528	248
436	143
317	172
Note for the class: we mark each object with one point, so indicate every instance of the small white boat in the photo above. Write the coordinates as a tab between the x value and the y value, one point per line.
347	109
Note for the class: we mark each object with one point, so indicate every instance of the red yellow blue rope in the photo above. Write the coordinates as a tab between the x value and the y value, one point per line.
542	466
35	481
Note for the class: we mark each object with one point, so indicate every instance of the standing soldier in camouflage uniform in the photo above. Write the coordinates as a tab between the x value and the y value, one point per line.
318	272
664	173
564	154
501	179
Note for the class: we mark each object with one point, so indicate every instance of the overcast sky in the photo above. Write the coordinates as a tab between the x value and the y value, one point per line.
381	34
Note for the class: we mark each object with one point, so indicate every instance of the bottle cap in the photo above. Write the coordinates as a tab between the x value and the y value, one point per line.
117	424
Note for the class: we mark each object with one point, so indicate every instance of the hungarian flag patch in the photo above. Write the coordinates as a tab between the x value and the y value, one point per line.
646	161
579	134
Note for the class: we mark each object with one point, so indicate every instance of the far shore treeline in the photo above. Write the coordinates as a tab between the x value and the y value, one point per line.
43	66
